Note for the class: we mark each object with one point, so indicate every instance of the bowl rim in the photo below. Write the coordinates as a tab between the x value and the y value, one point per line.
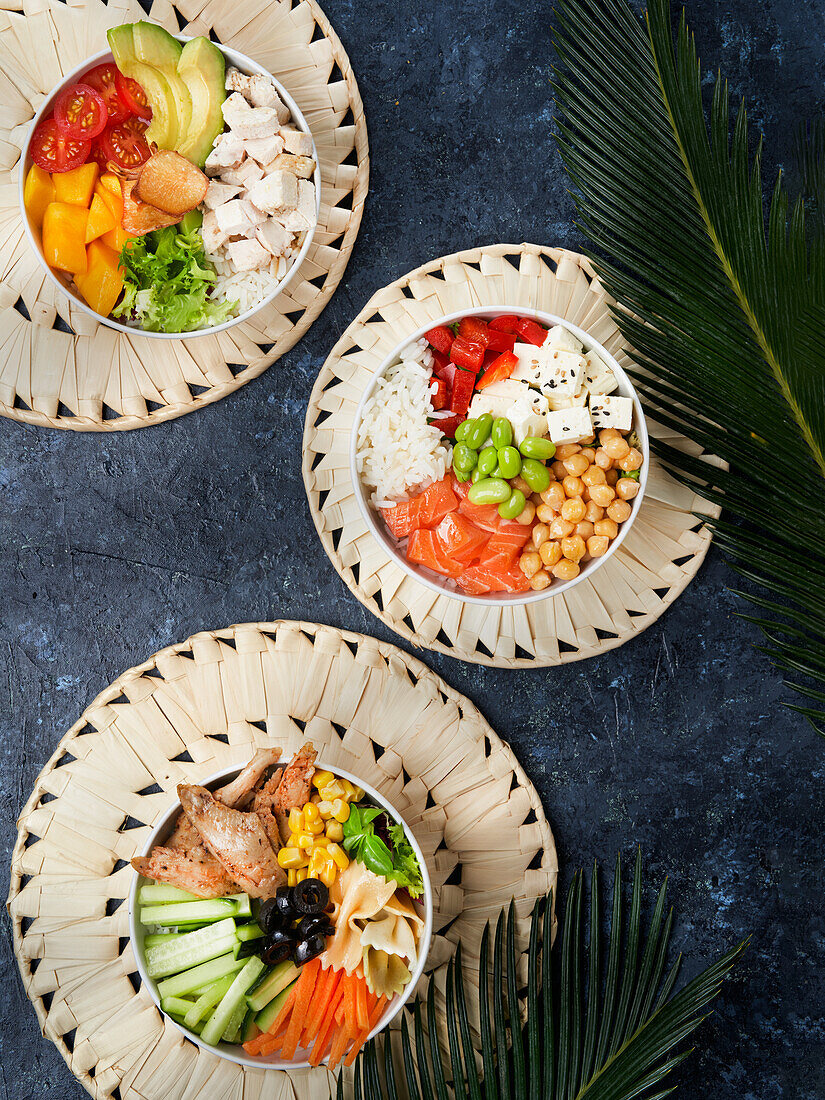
245	64
626	389
234	1052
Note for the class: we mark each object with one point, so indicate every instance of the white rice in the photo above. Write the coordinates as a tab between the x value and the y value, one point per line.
248	288
398	453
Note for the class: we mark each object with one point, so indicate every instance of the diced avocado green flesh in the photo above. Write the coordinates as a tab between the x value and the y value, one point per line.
202	68
219	1019
191	949
282	975
159	894
207	1000
163	129
267	1016
189	912
250	932
156	48
194	220
190	980
249	1029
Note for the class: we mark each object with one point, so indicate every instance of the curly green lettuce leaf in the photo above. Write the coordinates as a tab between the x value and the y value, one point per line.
398	862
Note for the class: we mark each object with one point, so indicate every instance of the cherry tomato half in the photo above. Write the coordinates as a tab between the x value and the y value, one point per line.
80	112
103	79
54	151
133	95
125	144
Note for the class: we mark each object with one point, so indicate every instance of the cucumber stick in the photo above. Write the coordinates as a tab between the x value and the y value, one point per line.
207	1001
158	894
175	1006
282	975
152	939
243	903
216	1025
267	1016
249	1029
191	949
199	976
188	912
233	1029
250	932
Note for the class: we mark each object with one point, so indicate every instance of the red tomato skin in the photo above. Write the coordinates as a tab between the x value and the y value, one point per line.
125	145
462	391
501	341
440	338
133	96
438	400
90	101
103	79
54	152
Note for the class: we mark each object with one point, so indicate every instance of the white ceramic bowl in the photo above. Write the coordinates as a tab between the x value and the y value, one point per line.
233	1052
62	280
444	585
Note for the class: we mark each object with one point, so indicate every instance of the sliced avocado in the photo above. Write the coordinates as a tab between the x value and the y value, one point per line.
156	48
203	70
163	130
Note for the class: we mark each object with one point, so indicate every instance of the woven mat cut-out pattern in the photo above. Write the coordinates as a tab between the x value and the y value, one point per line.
58	366
659	557
192	710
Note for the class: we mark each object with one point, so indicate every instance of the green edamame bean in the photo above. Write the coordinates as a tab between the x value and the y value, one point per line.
487	459
478	435
477	475
462	430
461	475
536	475
501	432
464	458
514	506
509	462
490	490
535	447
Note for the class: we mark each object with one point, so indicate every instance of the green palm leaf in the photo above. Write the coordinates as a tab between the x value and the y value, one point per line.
724	308
596	1028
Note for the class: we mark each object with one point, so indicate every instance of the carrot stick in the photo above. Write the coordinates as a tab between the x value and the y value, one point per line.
284	1013
321	1004
269	1044
361	1011
375	1015
327	1027
339	1045
349	1005
304	988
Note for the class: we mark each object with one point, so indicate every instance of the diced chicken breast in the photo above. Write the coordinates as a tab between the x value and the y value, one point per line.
263	93
234	218
302	167
258	122
247	173
247	255
211	233
275	192
302	217
228	152
296	142
265	149
234	108
217	193
273	237
256	216
236	81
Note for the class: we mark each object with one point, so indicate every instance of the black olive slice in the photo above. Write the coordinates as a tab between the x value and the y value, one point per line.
309	949
310	897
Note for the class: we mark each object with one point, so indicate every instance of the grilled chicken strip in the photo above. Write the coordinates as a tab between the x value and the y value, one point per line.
238	792
262	806
275	800
237	840
205	879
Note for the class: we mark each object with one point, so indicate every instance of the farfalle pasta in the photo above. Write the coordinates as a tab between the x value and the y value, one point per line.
357	895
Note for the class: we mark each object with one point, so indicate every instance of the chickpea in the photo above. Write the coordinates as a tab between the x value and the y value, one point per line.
554	496
586	494
558	469
540	581
593	475
560	528
573	510
589	453
527	514
573	486
576	464
573	548
619	511
611	476
588	440
609	433
597	545
565	570
617	448
627	488
550	553
566	450
584	529
631	461
520	483
545	513
529	563
594	513
603	459
607	527
540	534
602	495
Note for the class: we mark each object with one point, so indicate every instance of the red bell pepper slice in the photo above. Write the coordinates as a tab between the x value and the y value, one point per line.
496	372
440	397
448	425
466	355
475	330
440	361
505	323
531	331
501	341
463	386
440	337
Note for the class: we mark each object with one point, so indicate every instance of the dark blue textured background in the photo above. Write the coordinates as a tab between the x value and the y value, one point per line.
114	546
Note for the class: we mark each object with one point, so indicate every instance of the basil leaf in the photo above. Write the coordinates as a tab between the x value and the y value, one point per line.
377	856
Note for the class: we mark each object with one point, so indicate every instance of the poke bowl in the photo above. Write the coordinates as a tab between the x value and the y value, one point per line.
499	455
169	186
283	960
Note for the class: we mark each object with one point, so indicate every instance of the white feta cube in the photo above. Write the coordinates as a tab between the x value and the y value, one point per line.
218	192
265	149
263	93
247	173
273	237
611	411
227	152
569	425
275	192
211	233
553	371
556	400
527	423
234	218
512	400
598	377
247	255
296	142
561	338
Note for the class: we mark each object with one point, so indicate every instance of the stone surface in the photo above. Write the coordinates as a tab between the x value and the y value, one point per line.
116	546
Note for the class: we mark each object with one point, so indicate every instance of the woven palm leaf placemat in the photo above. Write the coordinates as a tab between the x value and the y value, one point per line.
58	366
660	555
201	706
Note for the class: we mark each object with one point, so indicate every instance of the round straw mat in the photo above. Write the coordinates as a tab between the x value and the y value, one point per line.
61	369
204	705
657	559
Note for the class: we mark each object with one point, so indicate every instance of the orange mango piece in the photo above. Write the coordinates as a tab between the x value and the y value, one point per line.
101	219
111	199
38	192
76	187
64	237
116	238
111	182
102	282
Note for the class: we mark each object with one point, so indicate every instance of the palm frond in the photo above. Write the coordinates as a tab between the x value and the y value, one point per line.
596	1028
723	307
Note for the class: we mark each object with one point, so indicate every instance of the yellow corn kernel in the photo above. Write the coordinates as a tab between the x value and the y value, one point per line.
291	857
332	791
311	812
325	810
315	827
305	840
317	862
340	810
349	789
291	877
321	841
293	840
329	873
339	856
322	779
359	794
335	831
301	874
296	821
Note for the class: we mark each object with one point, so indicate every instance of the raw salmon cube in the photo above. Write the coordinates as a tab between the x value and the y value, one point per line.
403	518
425	549
461	539
435	502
